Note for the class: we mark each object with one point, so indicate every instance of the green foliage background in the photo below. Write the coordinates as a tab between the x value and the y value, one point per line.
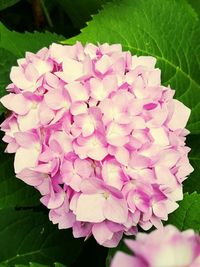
170	31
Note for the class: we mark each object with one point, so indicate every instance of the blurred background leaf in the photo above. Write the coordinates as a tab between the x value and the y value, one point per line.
34	264
7	3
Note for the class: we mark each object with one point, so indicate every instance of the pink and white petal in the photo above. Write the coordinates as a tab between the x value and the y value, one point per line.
159	209
184	170
154	78
64	140
45	114
111	174
101	232
78	108
156	222
28	121
125	260
72	70
31	177
18	78
42	66
58	52
159	136
98	91
168	158
55	200
75	182
122	155
54	99
97	153
12	147
179	117
66	220
45	168
115	209
139	161
81	151
83	167
92	186
25	158
54	217
31	73
146	61
81	229
16	103
103	64
116	135
88	125
44	187
138	122
90	208
165	176
77	91
26	139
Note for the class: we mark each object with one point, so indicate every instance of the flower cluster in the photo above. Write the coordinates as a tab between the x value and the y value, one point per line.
93	129
166	247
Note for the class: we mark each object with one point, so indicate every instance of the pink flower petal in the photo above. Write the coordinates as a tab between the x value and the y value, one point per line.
90	208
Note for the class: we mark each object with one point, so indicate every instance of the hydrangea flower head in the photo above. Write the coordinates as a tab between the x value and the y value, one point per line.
93	130
166	247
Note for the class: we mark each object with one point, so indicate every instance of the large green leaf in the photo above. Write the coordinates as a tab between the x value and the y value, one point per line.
28	236
167	31
193	182
18	43
7	3
196	5
13	192
187	216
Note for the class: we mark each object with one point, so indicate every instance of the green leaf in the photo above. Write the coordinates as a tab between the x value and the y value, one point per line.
80	11
196	5
187	216
167	31
6	61
14	192
193	182
18	43
31	264
7	3
28	236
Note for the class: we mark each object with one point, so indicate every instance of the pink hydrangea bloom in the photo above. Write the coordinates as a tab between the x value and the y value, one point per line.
94	131
166	247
